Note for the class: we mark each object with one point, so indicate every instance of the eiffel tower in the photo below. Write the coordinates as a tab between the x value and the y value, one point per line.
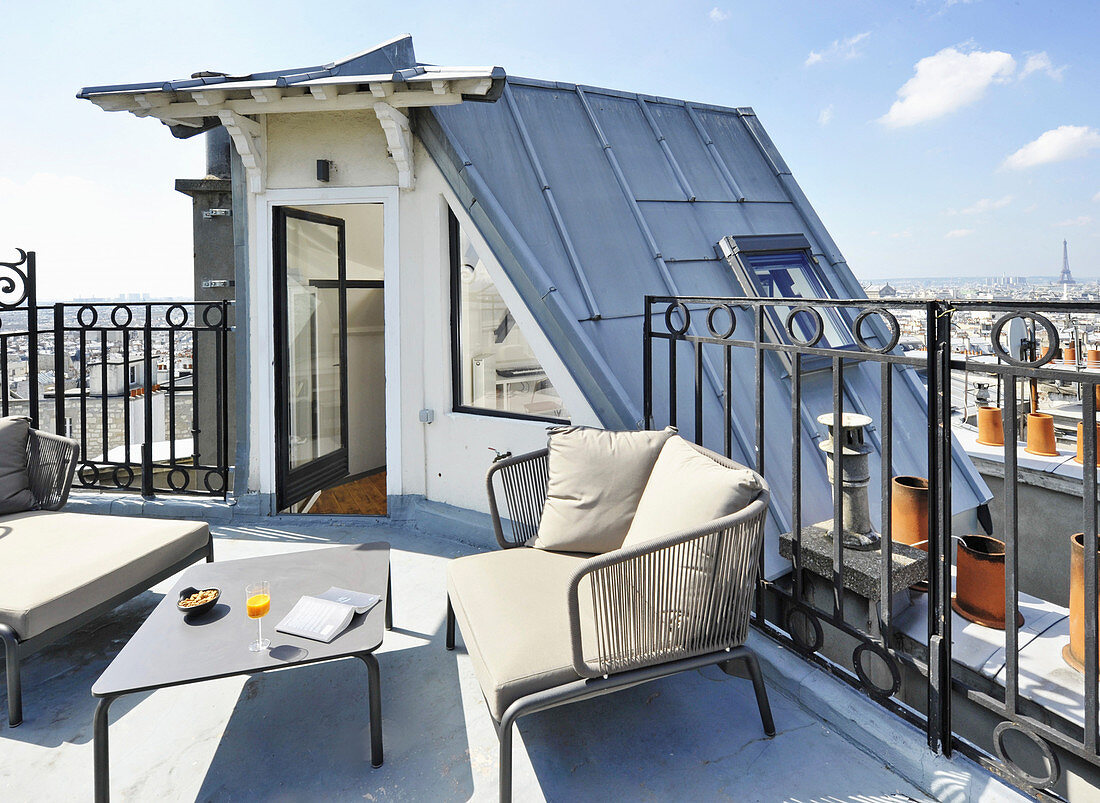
1066	277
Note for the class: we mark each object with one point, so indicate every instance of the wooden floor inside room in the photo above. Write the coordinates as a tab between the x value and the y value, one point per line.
365	496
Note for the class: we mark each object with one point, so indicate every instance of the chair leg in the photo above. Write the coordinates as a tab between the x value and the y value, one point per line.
389	601
450	624
761	693
210	551
11	670
504	733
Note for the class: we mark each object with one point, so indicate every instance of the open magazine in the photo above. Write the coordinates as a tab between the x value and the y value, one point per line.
325	616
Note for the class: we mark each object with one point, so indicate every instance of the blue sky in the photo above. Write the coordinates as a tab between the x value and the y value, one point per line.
934	137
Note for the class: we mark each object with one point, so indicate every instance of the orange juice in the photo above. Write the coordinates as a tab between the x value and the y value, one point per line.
258	605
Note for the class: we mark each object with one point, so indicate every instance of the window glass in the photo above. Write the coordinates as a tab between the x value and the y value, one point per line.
495	368
790	275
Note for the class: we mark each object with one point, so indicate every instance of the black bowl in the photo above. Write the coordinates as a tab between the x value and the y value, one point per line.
197	609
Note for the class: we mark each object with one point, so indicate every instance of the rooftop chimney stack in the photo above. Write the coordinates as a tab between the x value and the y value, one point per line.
217	153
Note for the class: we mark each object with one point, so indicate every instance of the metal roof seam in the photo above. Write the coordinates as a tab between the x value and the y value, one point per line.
719	162
551	203
685	185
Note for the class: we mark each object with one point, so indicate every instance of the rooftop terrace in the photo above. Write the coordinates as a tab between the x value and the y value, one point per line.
288	736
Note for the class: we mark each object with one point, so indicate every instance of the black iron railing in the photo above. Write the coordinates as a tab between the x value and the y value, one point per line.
143	387
700	356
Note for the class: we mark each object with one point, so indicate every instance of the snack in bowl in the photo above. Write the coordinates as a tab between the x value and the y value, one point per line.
195	600
198	598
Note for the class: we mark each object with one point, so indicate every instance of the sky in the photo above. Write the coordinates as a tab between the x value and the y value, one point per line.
933	137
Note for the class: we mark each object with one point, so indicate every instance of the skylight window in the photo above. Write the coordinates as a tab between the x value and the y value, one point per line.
781	267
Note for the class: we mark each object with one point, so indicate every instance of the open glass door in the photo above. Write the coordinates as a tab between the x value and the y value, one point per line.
311	328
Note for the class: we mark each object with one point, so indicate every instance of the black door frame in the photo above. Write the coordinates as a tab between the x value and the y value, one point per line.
295	485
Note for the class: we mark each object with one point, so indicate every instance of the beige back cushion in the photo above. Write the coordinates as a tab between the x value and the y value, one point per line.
686	489
596	478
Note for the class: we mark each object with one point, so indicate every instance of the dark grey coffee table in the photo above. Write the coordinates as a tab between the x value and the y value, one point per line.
169	650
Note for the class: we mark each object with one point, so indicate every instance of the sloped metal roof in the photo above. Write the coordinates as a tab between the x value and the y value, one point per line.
591	198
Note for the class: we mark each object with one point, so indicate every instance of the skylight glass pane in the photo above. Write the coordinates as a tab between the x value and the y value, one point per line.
791	275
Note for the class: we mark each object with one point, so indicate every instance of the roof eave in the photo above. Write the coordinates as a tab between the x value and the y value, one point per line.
191	106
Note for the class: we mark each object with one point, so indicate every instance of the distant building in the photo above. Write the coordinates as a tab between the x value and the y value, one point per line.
120	378
880	291
1066	277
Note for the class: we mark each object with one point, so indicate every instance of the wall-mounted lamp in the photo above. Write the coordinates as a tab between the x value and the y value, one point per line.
323	168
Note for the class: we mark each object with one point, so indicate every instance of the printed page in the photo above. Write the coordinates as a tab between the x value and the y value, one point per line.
360	600
317	619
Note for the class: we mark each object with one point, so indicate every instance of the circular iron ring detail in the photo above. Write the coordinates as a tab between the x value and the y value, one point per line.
680	307
1049	758
710	320
806	648
819	325
172	482
873	688
129	476
82	474
168	316
80	316
129	316
891	323
206	317
206	481
998	349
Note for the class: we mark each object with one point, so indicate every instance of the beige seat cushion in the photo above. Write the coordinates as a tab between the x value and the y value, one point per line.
596	478
54	566
511	609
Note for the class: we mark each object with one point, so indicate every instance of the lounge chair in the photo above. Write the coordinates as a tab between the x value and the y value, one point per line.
546	628
59	571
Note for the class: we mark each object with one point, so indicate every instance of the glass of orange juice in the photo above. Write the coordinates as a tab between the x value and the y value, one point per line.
257	604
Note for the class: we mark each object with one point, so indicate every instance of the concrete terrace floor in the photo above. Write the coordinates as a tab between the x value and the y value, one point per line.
301	734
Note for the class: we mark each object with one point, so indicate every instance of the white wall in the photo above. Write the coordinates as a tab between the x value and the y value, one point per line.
353	141
446	461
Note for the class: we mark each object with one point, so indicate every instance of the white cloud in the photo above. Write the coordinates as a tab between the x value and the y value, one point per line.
1082	220
987	205
1096	198
826	115
901	235
1057	145
1040	62
947	81
718	15
959	233
840	49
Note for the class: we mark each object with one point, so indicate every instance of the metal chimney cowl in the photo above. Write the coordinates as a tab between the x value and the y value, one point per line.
859	534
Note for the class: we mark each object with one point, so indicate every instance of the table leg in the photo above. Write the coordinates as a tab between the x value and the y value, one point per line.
374	681
389	602
100	754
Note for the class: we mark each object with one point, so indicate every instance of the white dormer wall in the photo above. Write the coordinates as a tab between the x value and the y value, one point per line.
444	461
